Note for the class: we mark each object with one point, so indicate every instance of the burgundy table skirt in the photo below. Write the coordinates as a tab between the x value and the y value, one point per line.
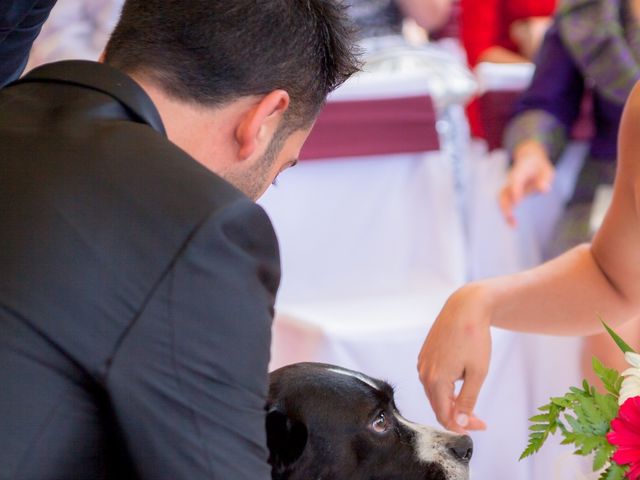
373	127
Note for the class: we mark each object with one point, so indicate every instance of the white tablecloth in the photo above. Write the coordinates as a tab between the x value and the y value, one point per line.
352	227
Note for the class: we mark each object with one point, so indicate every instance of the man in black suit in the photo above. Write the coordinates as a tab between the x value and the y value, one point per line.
137	277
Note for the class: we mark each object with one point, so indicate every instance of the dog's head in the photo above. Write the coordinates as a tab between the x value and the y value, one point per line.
325	421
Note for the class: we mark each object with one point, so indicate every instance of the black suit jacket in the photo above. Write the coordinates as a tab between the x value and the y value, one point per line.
136	292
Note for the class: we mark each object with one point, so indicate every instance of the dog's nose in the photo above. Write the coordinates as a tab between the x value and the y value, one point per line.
462	448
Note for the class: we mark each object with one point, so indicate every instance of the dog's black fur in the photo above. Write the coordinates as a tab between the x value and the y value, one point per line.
326	422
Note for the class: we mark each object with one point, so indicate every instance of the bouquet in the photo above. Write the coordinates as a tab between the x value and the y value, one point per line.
604	425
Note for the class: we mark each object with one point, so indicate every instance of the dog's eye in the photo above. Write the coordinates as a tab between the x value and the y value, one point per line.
380	424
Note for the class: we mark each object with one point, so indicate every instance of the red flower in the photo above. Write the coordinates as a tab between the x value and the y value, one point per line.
625	434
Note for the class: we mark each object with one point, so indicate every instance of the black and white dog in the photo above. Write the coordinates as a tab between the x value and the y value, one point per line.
328	423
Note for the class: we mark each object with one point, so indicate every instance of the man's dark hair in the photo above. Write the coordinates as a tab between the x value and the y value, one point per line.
213	51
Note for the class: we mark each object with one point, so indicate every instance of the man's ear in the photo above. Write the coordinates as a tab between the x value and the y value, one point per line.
260	122
286	439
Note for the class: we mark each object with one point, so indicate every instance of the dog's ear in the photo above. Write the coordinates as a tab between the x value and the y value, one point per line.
286	439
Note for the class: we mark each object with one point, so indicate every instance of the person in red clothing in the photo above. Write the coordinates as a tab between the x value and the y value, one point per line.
502	31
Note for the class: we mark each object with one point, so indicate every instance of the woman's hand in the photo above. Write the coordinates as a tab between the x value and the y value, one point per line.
458	347
532	172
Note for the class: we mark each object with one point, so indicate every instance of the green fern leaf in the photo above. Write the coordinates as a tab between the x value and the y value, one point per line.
616	338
